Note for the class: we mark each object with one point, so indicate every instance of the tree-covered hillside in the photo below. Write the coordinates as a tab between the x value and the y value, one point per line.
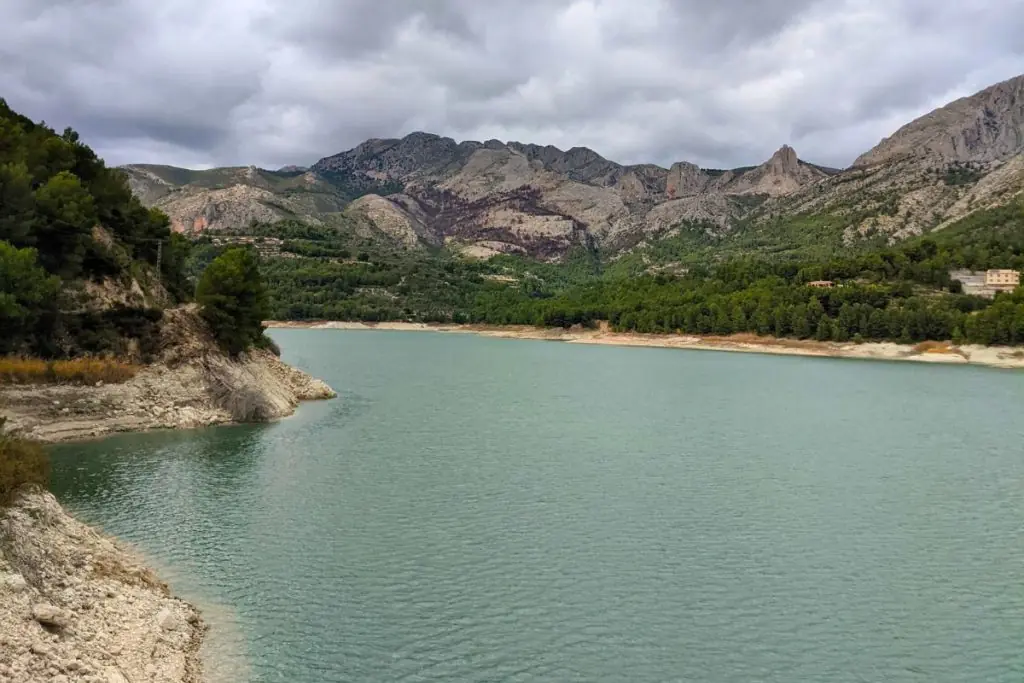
66	220
902	293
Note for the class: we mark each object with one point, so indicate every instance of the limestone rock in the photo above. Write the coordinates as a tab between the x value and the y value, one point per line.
15	583
985	127
511	197
48	615
50	548
169	620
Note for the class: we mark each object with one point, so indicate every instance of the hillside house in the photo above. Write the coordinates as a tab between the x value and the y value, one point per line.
824	284
1002	280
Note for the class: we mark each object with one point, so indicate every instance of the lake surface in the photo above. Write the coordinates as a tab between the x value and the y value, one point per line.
475	509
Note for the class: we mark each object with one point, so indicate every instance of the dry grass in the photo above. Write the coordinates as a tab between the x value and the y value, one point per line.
781	342
15	370
939	347
934	347
22	463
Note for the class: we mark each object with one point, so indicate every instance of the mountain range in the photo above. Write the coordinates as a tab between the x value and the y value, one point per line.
486	198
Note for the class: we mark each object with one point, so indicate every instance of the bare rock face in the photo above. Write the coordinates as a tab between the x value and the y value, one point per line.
397	216
537	200
985	127
225	198
685	179
48	615
783	174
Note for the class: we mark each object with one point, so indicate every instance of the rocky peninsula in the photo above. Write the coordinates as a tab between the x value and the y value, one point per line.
191	385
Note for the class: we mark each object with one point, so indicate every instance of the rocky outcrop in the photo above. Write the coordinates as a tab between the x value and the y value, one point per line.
541	201
985	127
783	174
227	198
77	606
398	216
192	385
685	179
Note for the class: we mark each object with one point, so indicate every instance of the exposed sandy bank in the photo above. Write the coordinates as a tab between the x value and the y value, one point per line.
931	352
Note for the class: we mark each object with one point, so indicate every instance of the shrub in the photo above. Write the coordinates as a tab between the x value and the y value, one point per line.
15	370
22	463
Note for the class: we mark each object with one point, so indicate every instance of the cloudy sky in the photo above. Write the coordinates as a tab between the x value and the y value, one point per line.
718	82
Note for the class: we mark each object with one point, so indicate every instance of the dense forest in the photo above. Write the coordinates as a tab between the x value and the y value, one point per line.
66	219
901	293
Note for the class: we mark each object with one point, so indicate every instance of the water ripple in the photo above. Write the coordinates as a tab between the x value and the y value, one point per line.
473	510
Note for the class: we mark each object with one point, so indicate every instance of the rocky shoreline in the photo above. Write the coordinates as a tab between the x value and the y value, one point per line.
78	606
1006	357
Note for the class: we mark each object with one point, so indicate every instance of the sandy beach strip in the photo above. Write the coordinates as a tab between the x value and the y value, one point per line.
926	352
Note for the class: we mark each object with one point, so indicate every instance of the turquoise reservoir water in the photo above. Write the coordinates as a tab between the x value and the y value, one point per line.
476	509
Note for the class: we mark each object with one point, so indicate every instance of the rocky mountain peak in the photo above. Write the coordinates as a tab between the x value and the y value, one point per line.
985	127
685	179
782	174
579	163
784	161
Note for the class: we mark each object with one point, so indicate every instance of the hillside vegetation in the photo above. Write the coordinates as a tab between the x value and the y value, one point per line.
902	293
84	266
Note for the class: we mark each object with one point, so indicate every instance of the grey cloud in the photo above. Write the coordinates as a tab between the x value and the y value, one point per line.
211	82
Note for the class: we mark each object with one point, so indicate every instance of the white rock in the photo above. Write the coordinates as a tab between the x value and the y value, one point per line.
115	676
170	620
16	583
48	615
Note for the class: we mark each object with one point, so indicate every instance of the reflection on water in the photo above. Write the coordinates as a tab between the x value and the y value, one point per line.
481	509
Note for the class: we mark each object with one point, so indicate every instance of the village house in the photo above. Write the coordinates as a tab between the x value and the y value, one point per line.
825	284
1002	280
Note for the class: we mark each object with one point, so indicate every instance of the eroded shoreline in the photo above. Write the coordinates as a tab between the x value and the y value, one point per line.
76	605
928	352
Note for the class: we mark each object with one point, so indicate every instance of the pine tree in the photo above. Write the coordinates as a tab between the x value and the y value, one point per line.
234	299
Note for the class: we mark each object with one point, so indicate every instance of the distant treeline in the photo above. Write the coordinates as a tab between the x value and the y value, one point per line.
901	293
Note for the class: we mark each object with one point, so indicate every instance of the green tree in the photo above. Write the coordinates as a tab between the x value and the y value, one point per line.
174	267
26	292
17	205
66	216
801	324
234	300
825	330
814	312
